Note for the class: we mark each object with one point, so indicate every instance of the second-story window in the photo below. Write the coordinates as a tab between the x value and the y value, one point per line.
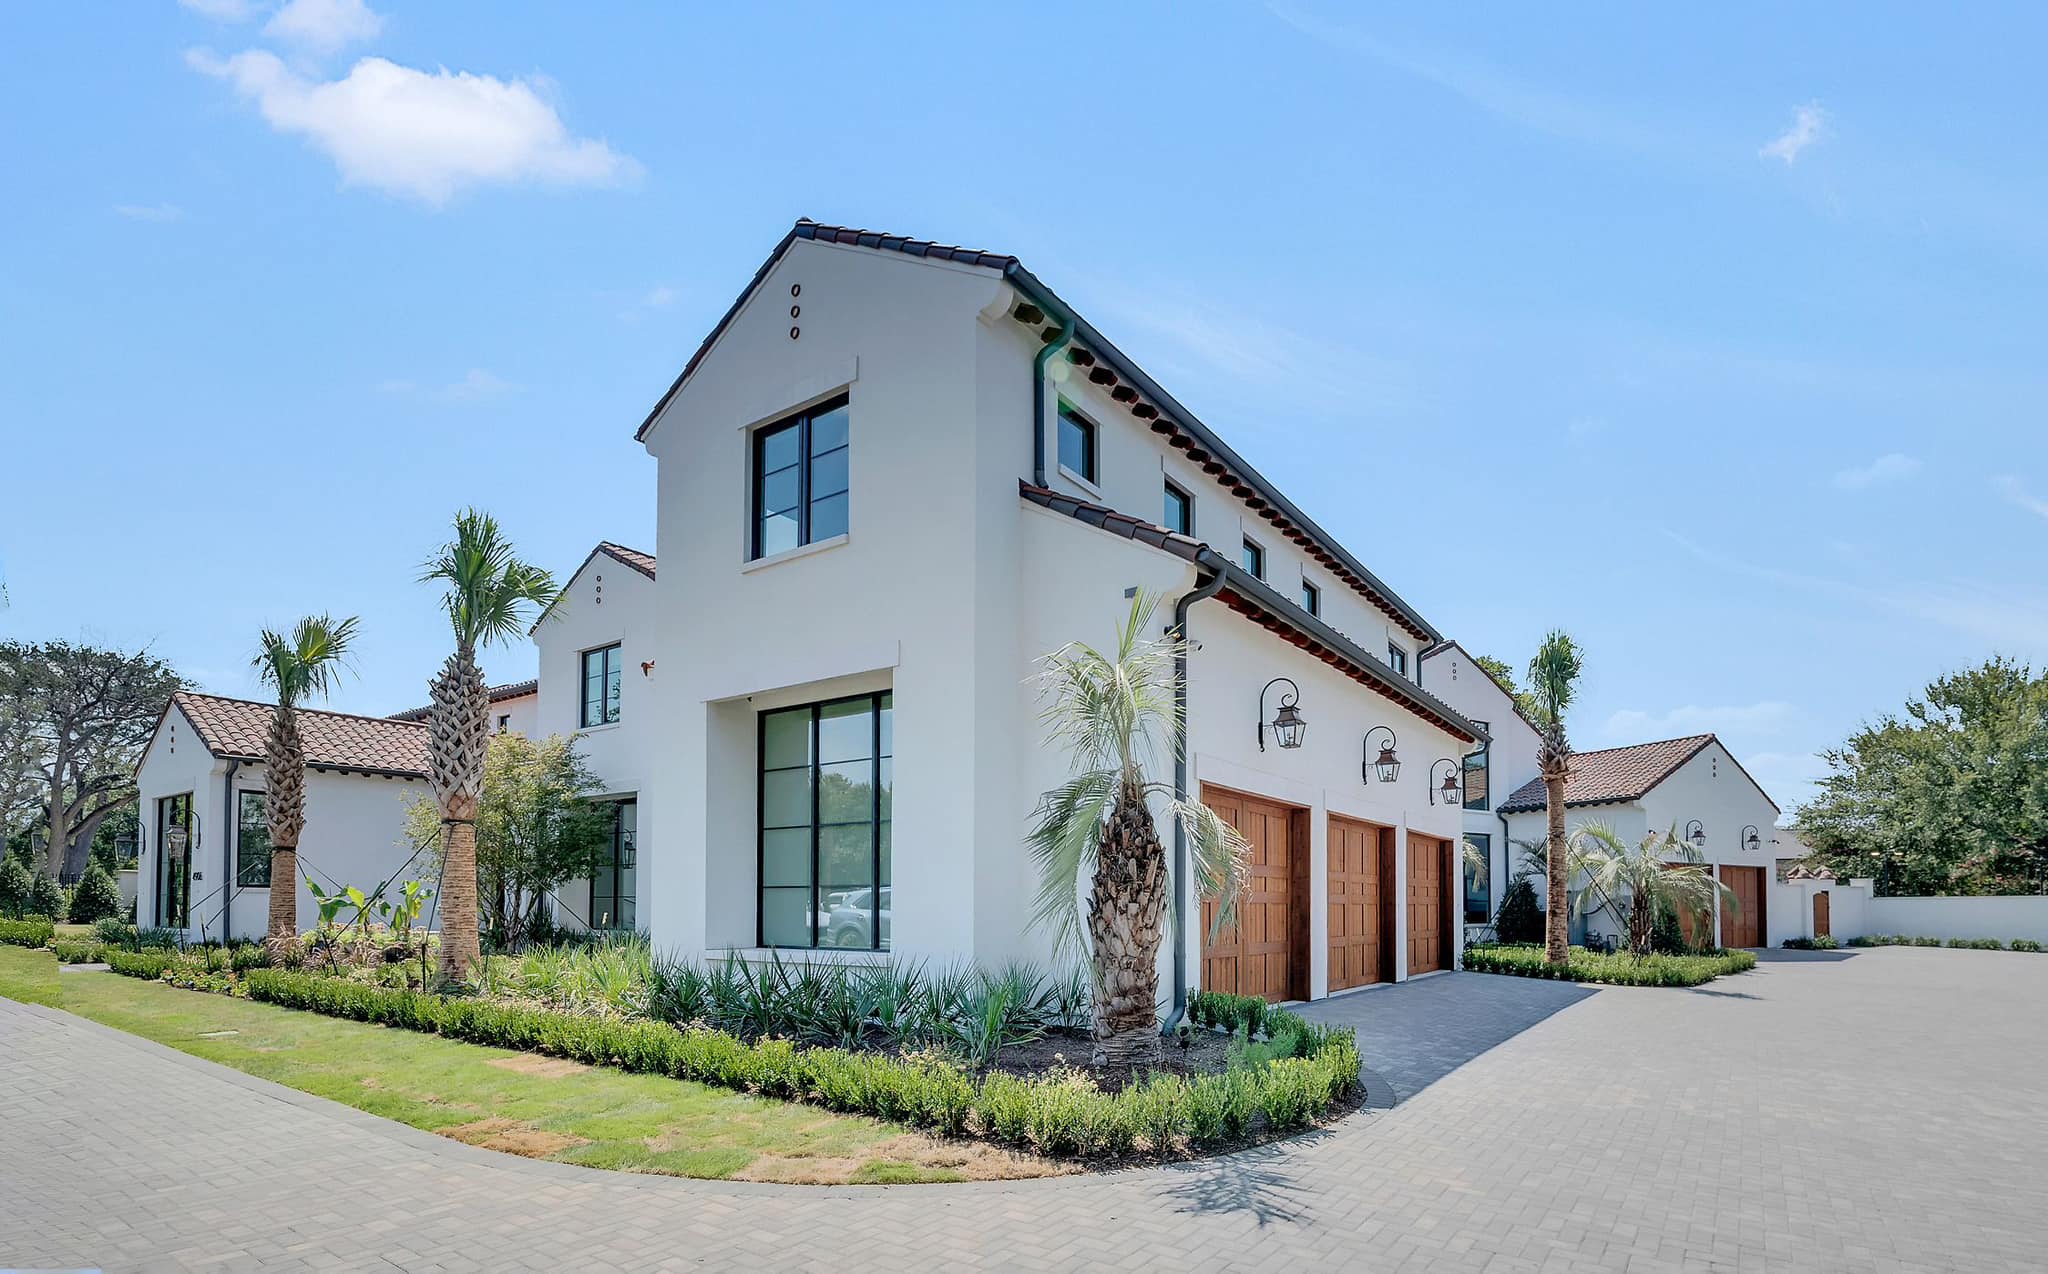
1077	445
600	686
1397	659
1479	774
1254	560
1311	598
1180	511
800	480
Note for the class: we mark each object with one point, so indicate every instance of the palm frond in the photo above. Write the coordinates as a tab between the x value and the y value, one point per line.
488	588
1066	830
1219	858
310	661
1553	681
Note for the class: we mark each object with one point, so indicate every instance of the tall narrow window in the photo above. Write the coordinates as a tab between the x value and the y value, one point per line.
1180	511
613	890
1479	884
1478	774
252	841
1077	445
175	837
801	479
1311	598
825	798
1254	560
1397	659
600	686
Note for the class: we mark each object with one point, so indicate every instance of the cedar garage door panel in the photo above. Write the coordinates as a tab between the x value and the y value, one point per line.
1359	929
1426	904
1263	954
1742	925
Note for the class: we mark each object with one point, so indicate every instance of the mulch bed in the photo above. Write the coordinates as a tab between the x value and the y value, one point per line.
1207	1053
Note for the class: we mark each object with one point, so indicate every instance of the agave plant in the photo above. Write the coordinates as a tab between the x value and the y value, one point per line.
1108	708
1663	869
489	593
301	666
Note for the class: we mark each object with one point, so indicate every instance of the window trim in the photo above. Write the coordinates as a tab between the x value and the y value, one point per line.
583	685
1311	597
1092	478
242	796
873	699
1257	551
1187	506
801	419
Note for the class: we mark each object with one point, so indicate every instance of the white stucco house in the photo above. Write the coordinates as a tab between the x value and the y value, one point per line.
893	476
596	646
204	840
1487	774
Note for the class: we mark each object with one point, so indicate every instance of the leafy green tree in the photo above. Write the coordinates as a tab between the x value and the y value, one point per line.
96	897
1519	918
46	897
536	827
1951	797
16	886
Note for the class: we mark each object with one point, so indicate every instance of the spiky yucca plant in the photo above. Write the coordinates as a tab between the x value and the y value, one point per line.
1108	709
300	666
1661	868
1553	682
488	594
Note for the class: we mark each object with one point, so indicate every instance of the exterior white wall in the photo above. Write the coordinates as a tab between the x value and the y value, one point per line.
518	715
1848	908
354	833
2004	918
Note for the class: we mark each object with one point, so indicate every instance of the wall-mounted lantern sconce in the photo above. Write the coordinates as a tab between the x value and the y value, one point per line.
1386	764
1750	839
1288	725
1446	792
1696	832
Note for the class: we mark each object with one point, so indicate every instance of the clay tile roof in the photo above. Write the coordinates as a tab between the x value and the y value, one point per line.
1612	774
498	694
1110	520
641	562
237	728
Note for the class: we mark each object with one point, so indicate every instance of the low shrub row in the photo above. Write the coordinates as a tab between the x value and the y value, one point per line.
1060	1113
1824	942
79	952
1621	969
140	964
35	931
1967	944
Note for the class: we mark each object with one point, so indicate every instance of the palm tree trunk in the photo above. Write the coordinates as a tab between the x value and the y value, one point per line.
284	810
458	733
284	892
1126	916
459	949
1556	924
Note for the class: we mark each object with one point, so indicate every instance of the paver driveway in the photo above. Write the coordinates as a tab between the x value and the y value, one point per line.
1876	1111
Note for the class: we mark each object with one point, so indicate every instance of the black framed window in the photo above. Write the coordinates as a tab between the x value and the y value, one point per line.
600	686
1479	774
1254	560
825	800
614	889
1479	884
1311	598
252	841
1077	444
1397	659
800	479
177	834
1180	511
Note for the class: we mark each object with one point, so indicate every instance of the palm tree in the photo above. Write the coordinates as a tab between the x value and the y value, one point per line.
488	593
1109	709
1663	869
301	666
1553	680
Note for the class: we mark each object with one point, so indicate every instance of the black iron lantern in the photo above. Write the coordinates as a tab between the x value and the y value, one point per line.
1386	764
1696	832
1751	840
1288	723
1447	791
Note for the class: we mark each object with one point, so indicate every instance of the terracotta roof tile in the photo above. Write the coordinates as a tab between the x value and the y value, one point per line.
237	728
1611	774
641	562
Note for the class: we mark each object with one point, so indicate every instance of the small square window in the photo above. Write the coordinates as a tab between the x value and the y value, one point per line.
1311	599
1077	445
1397	659
1180	511
1254	560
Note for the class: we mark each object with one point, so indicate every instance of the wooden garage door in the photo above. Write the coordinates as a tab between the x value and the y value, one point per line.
1266	952
1360	870
1742	925
1427	902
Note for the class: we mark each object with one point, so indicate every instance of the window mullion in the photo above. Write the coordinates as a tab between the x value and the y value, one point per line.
817	777
875	822
803	485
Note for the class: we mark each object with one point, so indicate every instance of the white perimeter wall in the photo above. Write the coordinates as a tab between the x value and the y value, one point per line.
2004	918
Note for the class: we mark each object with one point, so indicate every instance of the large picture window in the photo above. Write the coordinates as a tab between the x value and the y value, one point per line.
1479	884
800	480
252	841
1479	774
600	686
825	797
614	889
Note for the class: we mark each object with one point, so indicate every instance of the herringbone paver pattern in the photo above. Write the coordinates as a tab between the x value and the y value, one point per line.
1878	1112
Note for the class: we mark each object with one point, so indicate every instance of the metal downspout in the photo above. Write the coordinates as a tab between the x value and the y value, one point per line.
1038	364
1207	560
229	830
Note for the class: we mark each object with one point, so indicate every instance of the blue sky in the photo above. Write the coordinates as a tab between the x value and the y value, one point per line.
1714	337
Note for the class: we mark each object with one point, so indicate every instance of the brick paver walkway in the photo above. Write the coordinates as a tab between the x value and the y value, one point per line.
1882	1111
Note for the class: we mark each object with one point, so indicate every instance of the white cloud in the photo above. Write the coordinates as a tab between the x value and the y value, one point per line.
149	212
221	10
659	297
423	135
2016	492
476	384
324	26
1891	467
1632	725
1809	125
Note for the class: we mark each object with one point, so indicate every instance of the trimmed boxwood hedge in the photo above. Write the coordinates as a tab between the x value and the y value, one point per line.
35	931
1056	1114
1621	969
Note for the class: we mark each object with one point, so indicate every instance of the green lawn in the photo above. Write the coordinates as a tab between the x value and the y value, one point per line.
541	1107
